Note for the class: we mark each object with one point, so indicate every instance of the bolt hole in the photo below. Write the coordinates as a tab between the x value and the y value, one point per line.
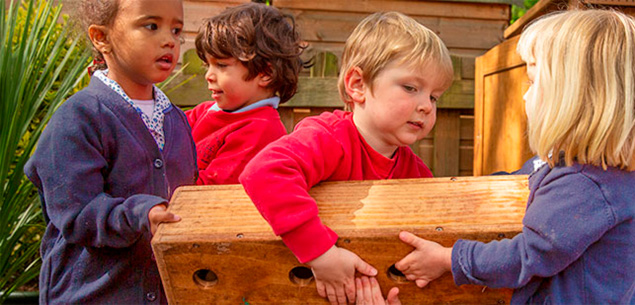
501	235
205	278
301	276
453	179
439	229
240	235
347	241
396	275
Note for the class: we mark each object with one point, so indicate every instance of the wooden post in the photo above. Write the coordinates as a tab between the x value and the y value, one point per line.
223	251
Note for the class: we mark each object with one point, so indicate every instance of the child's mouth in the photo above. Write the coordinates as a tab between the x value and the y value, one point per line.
165	61
416	124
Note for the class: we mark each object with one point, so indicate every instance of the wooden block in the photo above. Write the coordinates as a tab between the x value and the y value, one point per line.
223	251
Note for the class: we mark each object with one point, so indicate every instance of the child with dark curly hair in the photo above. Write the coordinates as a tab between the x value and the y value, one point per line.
252	53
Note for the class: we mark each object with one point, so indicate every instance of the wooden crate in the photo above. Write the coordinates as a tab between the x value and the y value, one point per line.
223	251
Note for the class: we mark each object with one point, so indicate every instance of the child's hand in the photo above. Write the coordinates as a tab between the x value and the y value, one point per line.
427	262
369	293
334	273
159	214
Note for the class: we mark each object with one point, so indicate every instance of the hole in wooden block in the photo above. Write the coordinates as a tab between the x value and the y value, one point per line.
205	278
396	275
301	276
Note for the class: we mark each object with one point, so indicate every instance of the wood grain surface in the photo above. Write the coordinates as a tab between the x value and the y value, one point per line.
222	232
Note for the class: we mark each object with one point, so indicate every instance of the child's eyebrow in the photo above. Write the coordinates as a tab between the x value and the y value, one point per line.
150	17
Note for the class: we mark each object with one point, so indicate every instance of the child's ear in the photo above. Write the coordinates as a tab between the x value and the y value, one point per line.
354	84
264	80
99	37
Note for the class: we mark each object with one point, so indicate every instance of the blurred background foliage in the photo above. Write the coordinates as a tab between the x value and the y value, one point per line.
42	62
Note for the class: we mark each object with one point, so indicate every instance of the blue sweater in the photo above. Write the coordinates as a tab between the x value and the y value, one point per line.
99	172
577	245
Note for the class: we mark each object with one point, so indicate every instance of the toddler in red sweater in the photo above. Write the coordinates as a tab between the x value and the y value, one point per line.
252	53
393	72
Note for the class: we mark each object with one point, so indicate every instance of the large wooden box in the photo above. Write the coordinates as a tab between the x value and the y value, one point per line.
223	252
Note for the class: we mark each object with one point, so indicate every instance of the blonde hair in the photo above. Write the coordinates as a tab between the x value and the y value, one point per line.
382	38
585	63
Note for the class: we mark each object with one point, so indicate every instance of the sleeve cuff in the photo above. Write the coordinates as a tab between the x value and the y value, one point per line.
309	240
458	259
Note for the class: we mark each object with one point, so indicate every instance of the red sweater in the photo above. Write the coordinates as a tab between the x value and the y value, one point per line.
321	148
225	142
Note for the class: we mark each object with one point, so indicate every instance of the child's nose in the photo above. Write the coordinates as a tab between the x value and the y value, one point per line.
210	76
425	104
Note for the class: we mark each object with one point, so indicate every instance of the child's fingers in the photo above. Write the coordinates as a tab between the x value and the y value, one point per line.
364	293
393	297
340	294
378	298
411	239
349	289
421	283
365	268
321	289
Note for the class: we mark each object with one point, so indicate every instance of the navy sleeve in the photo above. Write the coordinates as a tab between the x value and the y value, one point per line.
68	168
566	216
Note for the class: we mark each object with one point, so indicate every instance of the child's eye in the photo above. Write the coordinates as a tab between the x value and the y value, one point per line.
152	26
409	88
433	98
221	65
177	31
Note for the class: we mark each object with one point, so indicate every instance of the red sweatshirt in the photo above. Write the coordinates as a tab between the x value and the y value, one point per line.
321	148
225	142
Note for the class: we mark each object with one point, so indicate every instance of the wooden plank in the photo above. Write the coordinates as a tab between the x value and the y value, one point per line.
502	57
221	231
195	11
478	115
460	95
455	32
446	143
504	144
422	8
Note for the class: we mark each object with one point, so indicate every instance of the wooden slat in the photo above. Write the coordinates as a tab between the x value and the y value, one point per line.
492	11
501	57
323	26
478	115
446	143
222	231
505	146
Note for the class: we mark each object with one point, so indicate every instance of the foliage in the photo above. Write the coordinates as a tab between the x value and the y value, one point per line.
42	62
519	11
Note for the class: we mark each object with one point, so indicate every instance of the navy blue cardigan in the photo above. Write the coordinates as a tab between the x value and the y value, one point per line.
577	245
99	172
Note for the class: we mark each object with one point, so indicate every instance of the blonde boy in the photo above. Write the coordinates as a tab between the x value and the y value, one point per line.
393	72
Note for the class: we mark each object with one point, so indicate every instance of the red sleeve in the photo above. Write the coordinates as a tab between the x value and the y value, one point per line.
278	180
238	147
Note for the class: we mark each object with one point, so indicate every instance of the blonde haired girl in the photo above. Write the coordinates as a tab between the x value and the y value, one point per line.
578	238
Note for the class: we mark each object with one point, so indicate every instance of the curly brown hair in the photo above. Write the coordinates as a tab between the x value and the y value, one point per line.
262	38
99	12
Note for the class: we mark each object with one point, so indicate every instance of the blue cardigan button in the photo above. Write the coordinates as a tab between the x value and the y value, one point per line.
151	296
158	163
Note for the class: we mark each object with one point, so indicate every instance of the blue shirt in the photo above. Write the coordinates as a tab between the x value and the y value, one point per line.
577	245
99	172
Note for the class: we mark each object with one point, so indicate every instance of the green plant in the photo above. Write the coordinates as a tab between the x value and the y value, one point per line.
519	11
42	61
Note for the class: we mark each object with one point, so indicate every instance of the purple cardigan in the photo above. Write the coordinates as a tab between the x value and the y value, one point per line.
577	245
99	172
